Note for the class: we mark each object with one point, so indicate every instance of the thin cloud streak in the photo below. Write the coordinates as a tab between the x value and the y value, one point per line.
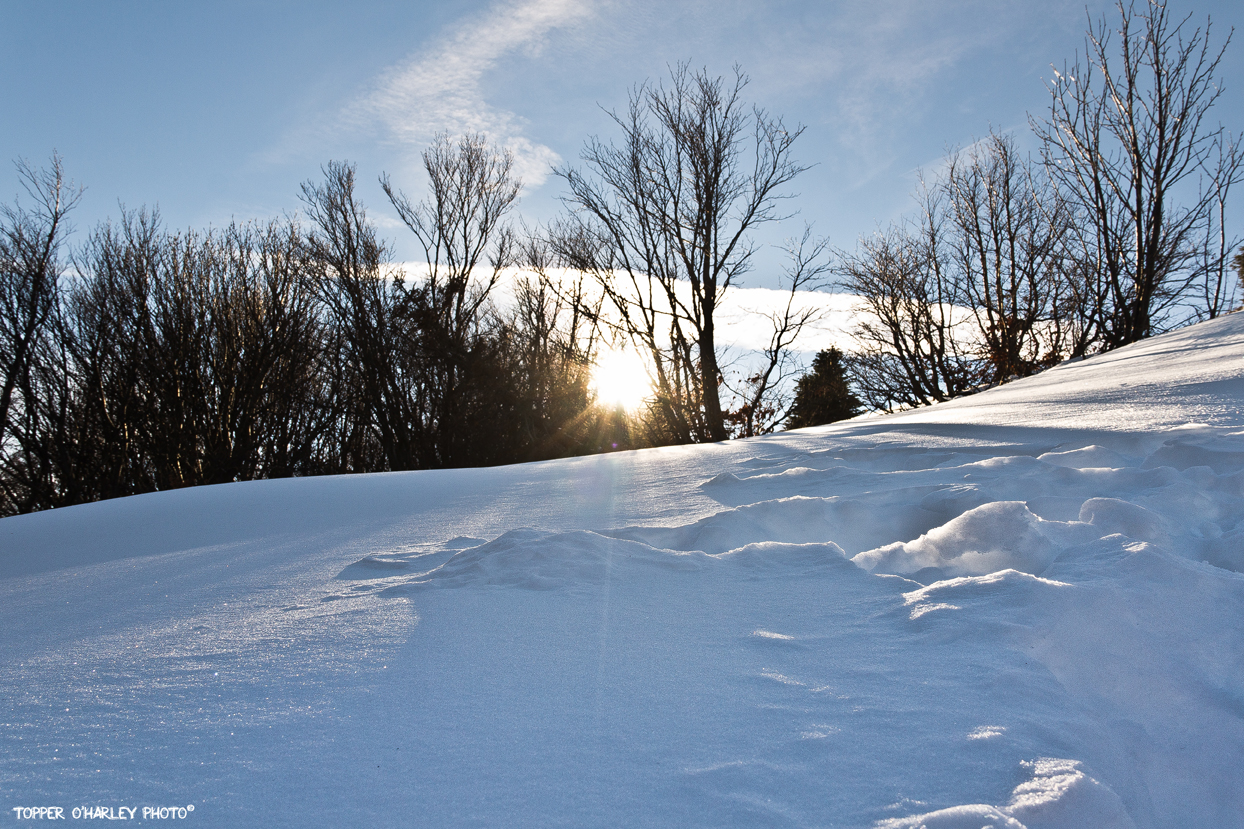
439	90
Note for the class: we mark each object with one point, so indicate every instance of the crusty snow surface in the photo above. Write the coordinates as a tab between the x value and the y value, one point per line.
1020	609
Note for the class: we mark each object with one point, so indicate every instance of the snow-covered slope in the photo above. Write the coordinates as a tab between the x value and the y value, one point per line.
1023	608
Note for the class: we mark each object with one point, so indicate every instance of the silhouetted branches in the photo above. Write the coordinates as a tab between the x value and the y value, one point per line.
661	222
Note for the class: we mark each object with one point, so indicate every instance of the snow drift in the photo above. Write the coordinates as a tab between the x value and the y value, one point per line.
1019	609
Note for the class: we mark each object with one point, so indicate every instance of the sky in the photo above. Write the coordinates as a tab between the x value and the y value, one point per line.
218	111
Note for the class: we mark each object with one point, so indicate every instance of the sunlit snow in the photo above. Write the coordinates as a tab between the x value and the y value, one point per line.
1023	608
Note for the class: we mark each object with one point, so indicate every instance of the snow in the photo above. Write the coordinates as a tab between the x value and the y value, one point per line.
1024	608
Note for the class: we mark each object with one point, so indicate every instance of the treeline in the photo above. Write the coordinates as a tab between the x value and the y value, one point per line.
1117	232
147	359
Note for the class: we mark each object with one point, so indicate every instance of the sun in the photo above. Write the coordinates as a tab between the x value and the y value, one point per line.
620	379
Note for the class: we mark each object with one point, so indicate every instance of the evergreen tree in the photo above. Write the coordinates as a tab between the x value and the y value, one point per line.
822	395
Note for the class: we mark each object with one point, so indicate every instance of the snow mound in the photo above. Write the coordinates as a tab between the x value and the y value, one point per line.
1000	590
535	560
1086	457
1111	516
1003	535
850	522
1057	794
1181	455
1007	535
786	559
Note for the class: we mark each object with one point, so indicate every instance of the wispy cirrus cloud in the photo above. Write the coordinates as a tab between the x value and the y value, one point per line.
440	89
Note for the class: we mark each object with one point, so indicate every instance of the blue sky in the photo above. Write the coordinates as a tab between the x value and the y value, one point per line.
214	111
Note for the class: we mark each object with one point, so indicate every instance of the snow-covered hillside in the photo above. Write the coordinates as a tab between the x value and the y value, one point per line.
1023	608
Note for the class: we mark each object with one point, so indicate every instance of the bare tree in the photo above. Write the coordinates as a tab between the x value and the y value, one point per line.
765	398
170	360
552	345
1237	264
1128	135
32	267
379	426
461	225
194	355
910	353
661	222
260	416
31	264
174	359
1006	232
1219	281
472	186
